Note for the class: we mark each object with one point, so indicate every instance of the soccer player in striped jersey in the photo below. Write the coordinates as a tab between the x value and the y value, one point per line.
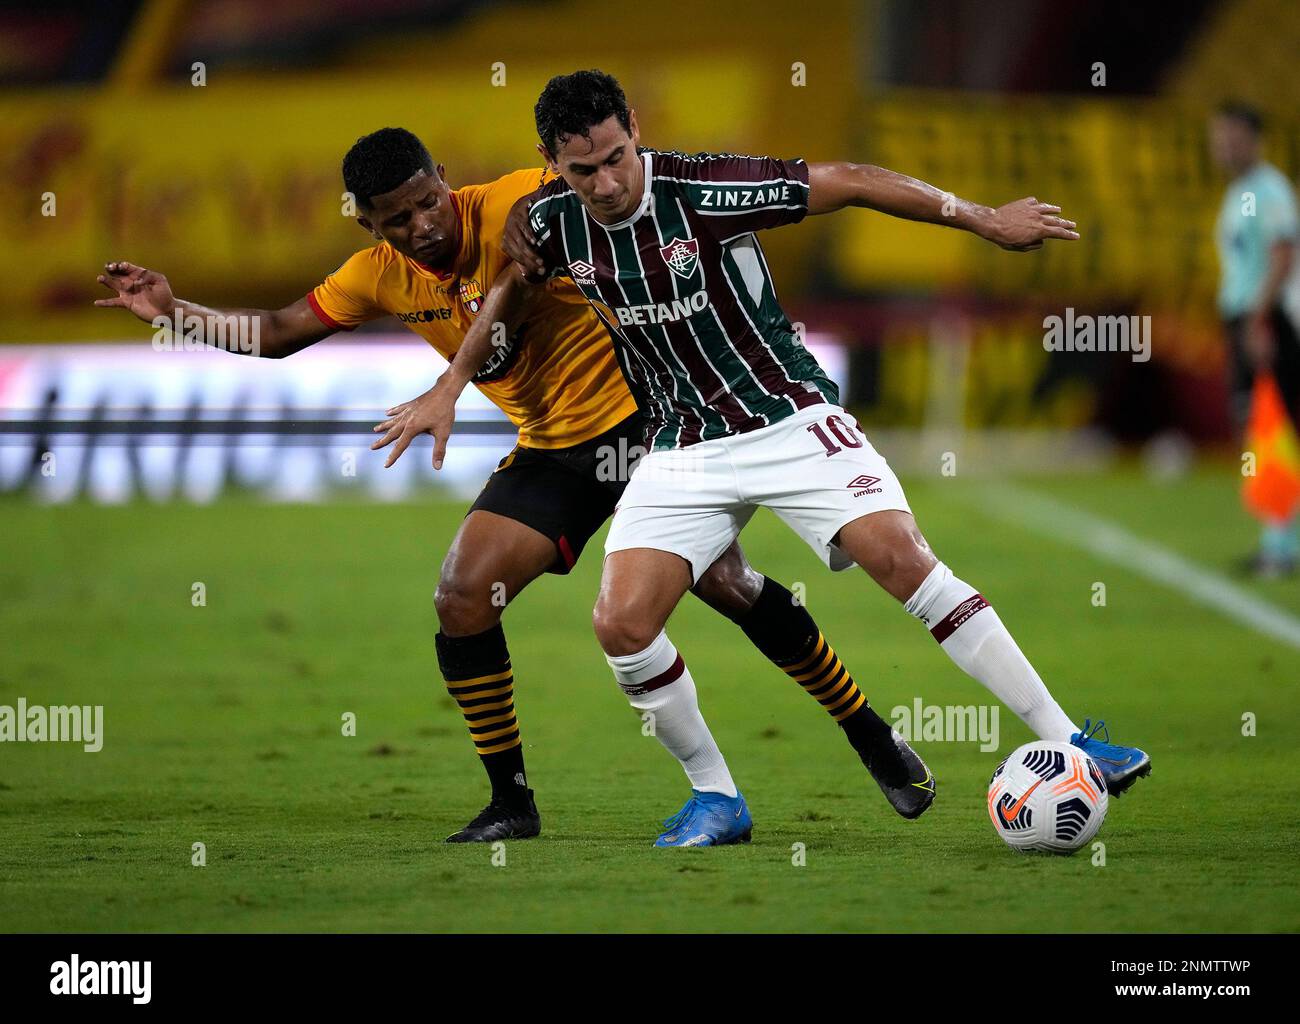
554	375
740	414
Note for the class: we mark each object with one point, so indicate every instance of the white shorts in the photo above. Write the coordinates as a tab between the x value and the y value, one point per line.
815	469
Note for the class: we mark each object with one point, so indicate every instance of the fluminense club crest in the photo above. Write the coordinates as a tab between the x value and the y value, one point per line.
681	255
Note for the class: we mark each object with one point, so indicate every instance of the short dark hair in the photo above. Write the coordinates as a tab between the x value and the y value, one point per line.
379	162
1243	112
574	104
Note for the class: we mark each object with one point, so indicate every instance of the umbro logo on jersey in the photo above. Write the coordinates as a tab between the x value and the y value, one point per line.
583	272
864	485
681	255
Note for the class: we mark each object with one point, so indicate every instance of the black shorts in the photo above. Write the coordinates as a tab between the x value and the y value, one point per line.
565	493
1286	366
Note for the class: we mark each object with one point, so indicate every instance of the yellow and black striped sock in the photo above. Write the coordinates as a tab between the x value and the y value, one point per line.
825	679
784	631
479	678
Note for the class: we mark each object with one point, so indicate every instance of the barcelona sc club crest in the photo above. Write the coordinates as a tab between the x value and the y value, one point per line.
471	295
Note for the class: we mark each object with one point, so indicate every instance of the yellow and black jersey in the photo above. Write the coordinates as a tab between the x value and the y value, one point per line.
556	379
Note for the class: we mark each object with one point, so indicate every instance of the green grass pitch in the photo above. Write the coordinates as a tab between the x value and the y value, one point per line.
223	726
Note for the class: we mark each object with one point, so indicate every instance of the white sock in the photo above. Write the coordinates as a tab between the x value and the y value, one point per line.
973	636
658	681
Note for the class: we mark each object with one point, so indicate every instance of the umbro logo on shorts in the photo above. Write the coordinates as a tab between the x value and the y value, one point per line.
865	485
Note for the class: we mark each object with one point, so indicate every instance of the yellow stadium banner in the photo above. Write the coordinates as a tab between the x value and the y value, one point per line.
233	188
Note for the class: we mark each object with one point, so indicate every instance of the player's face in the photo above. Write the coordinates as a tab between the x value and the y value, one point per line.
416	218
1232	144
604	170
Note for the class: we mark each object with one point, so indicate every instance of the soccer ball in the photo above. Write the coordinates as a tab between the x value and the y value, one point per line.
1047	796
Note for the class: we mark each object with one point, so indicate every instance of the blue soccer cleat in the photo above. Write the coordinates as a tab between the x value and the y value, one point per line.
708	819
1121	766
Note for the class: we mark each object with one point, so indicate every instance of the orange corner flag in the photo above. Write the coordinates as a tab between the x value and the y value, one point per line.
1273	493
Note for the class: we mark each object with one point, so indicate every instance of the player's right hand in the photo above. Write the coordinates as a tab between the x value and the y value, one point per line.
1025	224
433	412
519	243
144	292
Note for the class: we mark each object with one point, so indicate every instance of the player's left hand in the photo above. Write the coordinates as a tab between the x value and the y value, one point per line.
433	412
1026	223
519	243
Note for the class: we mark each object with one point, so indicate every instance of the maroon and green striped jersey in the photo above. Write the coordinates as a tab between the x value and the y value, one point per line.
683	286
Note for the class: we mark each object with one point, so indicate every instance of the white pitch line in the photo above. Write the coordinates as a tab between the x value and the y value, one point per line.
1071	525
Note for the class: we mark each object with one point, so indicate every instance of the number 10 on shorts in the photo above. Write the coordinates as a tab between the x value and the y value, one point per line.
845	434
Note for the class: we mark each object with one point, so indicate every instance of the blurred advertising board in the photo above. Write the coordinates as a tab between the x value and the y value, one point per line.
112	422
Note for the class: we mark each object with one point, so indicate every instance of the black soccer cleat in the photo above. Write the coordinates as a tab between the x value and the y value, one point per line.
501	820
900	773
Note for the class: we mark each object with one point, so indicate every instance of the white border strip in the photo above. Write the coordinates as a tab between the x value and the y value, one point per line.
1071	525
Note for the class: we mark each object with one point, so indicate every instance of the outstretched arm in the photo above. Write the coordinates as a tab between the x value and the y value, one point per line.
146	293
1018	226
434	412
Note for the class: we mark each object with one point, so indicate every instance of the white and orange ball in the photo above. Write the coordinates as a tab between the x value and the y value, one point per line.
1047	796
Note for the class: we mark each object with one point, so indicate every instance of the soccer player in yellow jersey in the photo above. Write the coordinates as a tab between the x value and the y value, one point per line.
553	371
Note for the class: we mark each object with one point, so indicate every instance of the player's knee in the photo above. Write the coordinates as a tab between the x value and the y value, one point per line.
620	631
899	559
911	567
729	586
465	608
